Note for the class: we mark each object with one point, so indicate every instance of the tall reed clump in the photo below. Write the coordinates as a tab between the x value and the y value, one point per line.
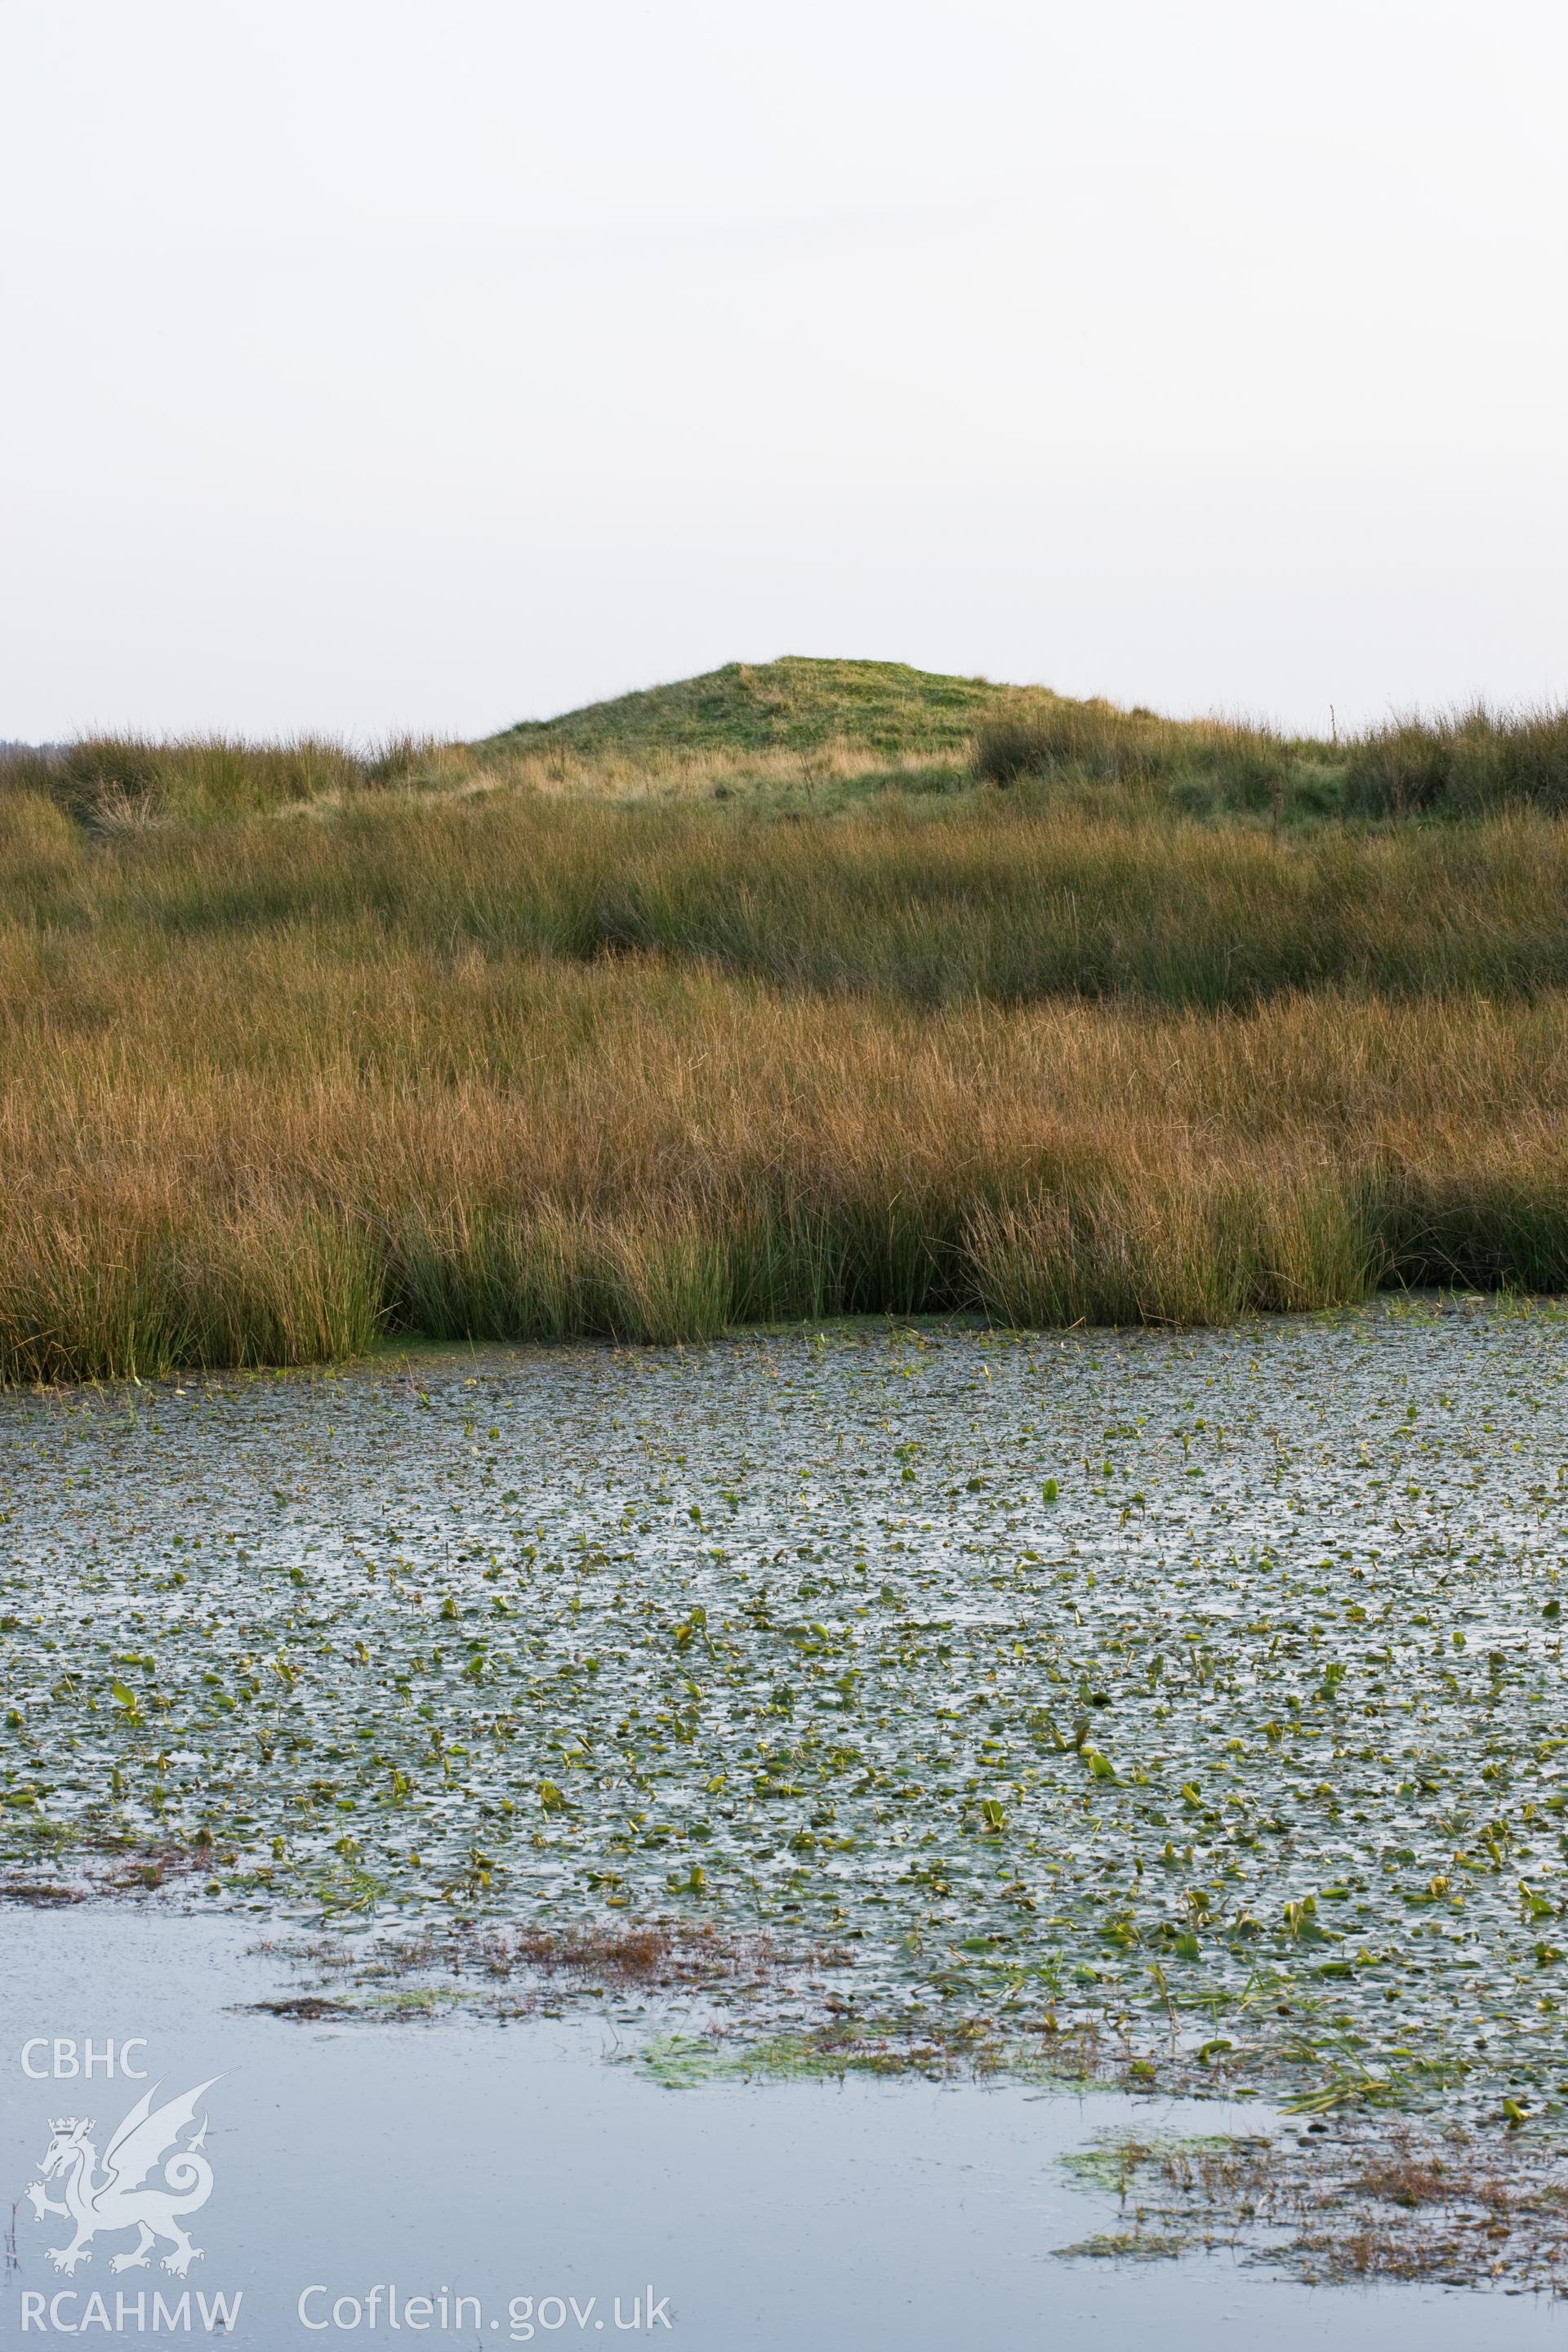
1478	760
94	1289
112	781
115	782
1183	1245
544	1271
1095	741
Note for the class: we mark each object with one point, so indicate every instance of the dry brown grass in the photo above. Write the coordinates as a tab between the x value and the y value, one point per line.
258	1150
640	1956
523	1071
713	772
514	1970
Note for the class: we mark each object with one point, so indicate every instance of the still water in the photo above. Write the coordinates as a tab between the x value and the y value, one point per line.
517	2163
991	1726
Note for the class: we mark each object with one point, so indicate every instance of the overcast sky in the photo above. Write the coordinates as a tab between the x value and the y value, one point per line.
432	363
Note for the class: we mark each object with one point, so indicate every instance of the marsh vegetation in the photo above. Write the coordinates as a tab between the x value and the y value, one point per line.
1166	1711
301	1049
1359	2205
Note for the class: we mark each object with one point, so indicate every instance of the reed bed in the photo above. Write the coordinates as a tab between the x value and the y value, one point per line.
1010	900
521	1065
247	1142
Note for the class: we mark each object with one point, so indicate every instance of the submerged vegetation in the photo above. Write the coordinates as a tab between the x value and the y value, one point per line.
786	992
1176	1712
1358	2205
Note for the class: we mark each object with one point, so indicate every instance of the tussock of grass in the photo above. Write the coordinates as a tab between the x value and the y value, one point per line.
118	782
1170	1249
1475	760
1051	736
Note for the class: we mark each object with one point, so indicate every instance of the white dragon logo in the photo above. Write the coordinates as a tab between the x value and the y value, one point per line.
123	2199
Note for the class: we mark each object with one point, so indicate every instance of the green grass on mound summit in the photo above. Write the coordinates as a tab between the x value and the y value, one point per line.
791	705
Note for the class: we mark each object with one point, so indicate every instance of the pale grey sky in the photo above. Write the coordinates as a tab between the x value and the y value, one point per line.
432	364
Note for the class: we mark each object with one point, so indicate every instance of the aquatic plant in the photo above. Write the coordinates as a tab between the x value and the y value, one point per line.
768	1678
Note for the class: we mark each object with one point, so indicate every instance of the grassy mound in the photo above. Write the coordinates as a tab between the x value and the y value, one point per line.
793	705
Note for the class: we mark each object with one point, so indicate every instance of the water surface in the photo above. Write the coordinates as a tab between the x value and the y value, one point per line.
515	2163
1182	1711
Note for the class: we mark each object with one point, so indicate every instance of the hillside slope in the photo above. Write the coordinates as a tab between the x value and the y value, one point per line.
791	705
